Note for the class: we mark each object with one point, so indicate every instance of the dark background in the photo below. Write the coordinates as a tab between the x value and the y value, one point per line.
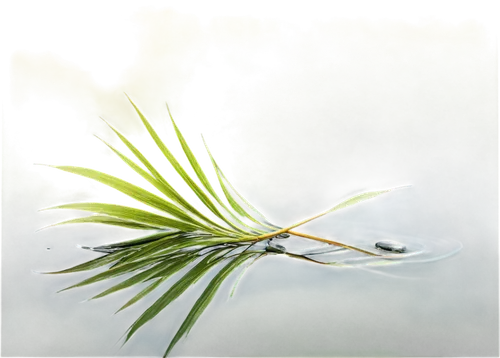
428	304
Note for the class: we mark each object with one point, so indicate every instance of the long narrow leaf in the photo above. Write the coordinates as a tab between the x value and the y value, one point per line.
362	197
206	297
252	262
159	182
203	179
174	270
156	247
180	170
113	272
232	201
138	169
93	264
131	190
163	269
128	213
107	220
346	203
175	291
140	241
178	244
166	187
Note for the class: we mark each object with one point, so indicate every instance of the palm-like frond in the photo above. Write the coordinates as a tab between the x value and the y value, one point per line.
183	237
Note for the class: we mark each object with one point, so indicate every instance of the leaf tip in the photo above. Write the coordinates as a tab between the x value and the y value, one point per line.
126	95
83	247
128	336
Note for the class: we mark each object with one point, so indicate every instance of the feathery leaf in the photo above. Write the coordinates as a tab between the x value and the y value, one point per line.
232	201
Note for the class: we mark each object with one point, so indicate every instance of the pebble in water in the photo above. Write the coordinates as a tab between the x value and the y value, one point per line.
389	245
284	236
274	247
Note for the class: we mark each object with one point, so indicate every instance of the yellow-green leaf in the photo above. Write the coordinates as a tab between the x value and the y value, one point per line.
204	180
102	220
236	201
160	183
131	190
362	197
126	213
180	170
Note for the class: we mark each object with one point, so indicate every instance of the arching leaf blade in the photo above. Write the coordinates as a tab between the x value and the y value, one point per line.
203	178
93	264
140	240
164	186
126	213
206	297
165	268
190	278
113	272
362	197
173	245
230	198
180	170
107	220
169	190
157	283
236	283
125	187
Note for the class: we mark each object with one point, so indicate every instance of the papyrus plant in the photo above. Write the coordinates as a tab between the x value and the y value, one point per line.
175	238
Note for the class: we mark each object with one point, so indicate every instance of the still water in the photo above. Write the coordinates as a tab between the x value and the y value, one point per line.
440	303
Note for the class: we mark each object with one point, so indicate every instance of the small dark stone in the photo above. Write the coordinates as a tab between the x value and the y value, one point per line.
274	247
389	245
283	236
48	248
